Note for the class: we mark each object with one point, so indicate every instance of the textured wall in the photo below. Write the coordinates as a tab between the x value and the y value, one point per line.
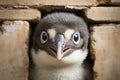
13	50
106	45
103	17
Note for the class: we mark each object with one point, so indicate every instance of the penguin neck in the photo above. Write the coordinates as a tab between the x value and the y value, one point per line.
51	68
74	72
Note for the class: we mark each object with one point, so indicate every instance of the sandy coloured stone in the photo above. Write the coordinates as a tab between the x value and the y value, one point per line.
105	45
50	2
104	14
20	14
14	50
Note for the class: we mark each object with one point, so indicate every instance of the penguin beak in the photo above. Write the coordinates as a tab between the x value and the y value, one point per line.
60	48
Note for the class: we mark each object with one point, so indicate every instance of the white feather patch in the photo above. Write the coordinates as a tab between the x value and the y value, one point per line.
68	33
77	56
49	68
52	33
42	58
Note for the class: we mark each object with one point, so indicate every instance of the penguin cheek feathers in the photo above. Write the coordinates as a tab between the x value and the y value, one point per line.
76	57
42	58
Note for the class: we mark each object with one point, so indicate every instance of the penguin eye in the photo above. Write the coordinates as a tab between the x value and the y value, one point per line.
76	37
43	37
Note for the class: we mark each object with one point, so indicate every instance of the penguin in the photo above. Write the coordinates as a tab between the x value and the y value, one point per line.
60	48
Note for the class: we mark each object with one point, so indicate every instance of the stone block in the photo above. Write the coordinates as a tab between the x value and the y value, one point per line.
20	14
14	50
103	14
105	45
38	3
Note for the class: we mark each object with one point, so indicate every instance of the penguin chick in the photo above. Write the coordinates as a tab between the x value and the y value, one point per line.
59	48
